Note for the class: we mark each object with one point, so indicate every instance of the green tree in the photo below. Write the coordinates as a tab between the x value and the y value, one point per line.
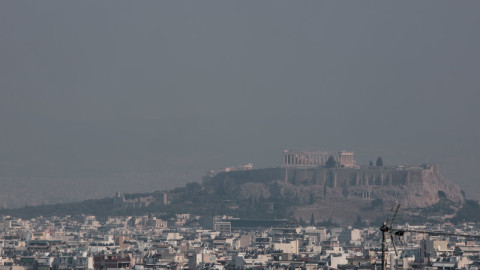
470	212
331	163
302	223
275	190
379	162
358	224
193	187
376	203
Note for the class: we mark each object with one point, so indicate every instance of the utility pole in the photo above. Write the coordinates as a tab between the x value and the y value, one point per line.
384	229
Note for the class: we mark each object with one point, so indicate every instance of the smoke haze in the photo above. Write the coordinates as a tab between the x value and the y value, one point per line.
100	97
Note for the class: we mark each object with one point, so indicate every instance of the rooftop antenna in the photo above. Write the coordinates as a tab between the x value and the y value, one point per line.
384	229
400	232
391	229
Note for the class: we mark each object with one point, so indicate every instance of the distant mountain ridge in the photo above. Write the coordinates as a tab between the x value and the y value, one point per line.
335	194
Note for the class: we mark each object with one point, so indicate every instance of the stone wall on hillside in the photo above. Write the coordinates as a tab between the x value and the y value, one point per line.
412	187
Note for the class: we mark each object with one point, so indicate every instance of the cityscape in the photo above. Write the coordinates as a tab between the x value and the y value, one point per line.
180	242
230	135
202	240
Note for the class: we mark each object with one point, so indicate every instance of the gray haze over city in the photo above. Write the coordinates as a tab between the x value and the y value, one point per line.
100	97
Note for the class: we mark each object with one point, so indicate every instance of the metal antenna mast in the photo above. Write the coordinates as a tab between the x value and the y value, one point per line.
385	228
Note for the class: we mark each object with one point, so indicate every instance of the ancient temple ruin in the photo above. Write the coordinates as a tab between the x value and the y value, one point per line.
293	158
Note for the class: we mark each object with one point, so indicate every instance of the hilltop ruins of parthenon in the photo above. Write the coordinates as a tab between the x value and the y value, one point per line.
293	158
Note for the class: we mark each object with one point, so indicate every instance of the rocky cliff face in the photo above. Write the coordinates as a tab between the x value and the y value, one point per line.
344	193
430	188
339	195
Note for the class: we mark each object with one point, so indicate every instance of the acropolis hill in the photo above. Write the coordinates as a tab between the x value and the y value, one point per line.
329	185
346	190
411	187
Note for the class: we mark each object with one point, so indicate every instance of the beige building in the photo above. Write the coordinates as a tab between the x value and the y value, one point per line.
293	158
291	247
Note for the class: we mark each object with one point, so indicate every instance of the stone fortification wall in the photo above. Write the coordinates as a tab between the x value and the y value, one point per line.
239	177
412	187
364	176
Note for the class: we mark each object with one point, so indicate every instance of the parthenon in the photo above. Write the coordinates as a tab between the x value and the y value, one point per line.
293	158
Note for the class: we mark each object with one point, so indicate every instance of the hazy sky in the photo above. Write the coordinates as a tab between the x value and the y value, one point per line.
91	89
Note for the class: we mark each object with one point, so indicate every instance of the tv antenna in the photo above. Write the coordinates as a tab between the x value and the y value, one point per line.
386	229
400	232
